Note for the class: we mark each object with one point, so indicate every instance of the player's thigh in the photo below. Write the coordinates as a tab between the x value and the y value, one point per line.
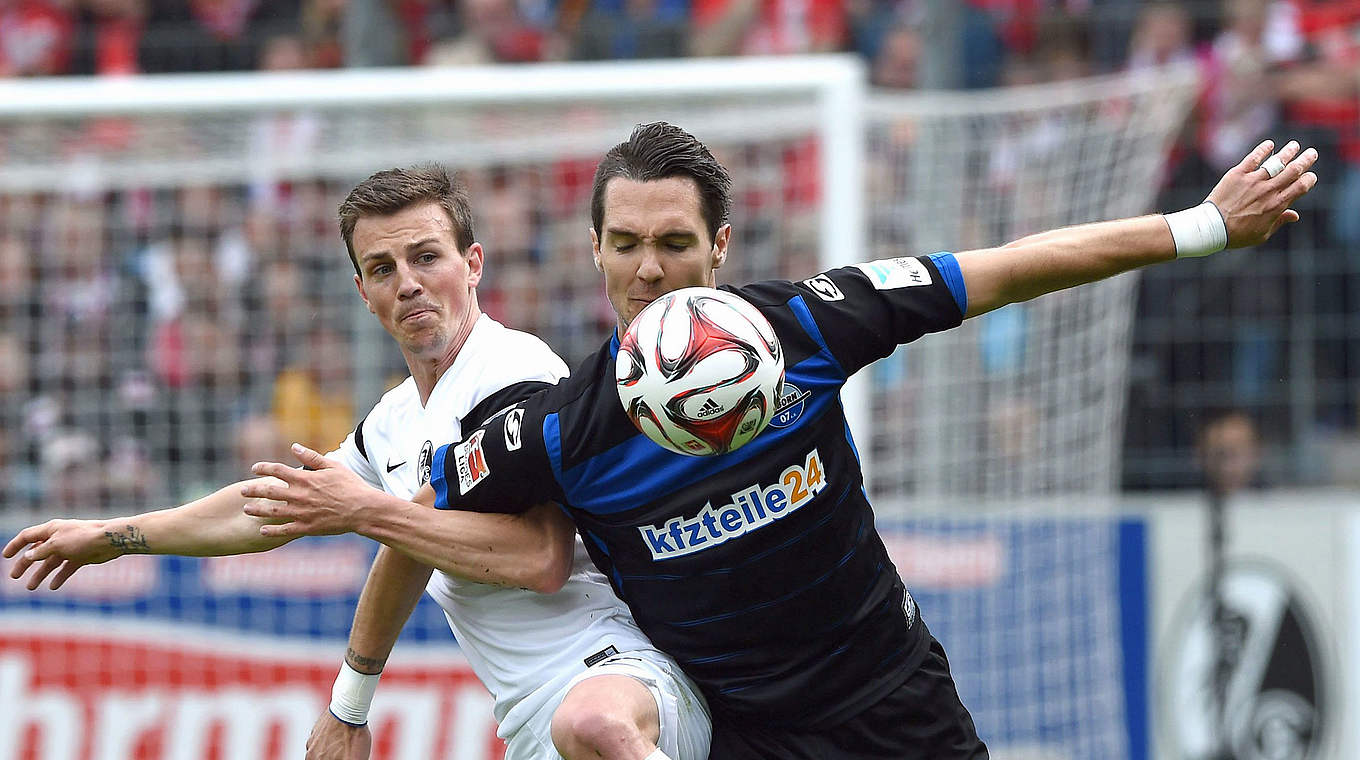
683	724
923	718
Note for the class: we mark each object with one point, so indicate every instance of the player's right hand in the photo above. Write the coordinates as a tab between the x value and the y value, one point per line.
1253	203
333	740
63	546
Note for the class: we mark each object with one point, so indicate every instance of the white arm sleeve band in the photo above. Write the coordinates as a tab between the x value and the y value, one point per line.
1198	231
352	694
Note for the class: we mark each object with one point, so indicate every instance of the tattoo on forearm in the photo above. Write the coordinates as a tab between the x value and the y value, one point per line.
131	542
364	664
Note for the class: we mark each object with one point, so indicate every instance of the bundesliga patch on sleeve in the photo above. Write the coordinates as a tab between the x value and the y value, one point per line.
471	462
901	272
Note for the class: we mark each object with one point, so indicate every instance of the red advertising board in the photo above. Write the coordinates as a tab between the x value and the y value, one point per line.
76	688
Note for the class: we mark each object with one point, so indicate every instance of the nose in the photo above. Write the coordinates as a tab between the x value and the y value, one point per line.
649	269
408	285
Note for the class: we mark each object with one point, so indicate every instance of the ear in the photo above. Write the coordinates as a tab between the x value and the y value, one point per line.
475	257
595	250
358	283
720	242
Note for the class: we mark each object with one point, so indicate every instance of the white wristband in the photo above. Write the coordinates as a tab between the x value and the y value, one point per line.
1198	231
351	695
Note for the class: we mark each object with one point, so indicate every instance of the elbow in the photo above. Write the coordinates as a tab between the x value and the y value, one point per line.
550	568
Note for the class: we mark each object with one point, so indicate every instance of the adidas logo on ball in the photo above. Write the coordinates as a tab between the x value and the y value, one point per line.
699	371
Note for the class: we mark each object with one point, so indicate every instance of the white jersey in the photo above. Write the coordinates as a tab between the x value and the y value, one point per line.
524	646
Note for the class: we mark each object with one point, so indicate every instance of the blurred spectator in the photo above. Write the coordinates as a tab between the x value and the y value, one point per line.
767	27
1229	452
489	31
1241	107
212	35
112	34
35	37
72	472
1162	36
1323	92
898	63
623	29
313	398
321	26
258	439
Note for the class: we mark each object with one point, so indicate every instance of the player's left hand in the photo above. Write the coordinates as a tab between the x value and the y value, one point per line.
324	500
1255	204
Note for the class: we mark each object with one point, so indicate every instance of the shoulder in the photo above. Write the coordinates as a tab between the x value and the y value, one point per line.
394	406
509	356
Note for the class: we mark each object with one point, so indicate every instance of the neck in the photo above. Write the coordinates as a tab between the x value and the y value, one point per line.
428	369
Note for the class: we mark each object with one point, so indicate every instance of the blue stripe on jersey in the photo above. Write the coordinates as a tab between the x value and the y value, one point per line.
552	441
804	315
437	479
650	471
953	277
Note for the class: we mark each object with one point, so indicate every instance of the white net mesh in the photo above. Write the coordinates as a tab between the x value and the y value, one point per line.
995	446
176	304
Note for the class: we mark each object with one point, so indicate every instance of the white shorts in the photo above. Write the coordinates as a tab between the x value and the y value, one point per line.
686	727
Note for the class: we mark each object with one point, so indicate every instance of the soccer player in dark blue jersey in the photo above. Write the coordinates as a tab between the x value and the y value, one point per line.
760	570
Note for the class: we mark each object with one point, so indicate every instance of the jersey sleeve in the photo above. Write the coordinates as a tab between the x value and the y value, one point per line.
352	455
501	466
865	311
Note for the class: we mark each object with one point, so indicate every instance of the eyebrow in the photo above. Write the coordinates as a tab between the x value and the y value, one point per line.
384	252
620	232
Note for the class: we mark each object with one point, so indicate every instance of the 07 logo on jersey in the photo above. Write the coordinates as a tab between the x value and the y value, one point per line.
751	508
471	461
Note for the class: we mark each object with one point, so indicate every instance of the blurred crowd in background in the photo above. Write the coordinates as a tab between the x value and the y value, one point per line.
155	343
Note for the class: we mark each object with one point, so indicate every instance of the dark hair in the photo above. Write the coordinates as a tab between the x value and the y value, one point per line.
393	190
661	151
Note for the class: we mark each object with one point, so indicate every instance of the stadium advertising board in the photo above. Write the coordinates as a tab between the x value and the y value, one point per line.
1259	670
1043	620
229	659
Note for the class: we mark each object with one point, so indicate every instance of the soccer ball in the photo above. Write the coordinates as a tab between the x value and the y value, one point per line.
699	371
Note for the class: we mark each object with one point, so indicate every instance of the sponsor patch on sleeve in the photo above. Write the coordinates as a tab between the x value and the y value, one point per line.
471	461
824	288
901	272
514	423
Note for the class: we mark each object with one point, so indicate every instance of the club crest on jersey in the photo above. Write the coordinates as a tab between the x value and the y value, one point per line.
824	288
901	272
790	405
751	508
425	462
514	421
471	462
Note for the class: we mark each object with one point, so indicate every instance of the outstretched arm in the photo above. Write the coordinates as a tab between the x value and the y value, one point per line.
209	527
1253	205
532	550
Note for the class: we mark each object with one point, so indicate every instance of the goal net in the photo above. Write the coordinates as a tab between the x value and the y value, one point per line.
175	304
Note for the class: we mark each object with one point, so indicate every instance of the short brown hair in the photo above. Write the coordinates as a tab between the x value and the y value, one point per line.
393	190
660	151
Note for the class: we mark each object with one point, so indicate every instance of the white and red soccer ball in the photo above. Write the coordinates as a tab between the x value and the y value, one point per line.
699	371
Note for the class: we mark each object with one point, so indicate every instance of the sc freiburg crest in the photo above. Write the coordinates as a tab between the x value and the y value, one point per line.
1245	676
426	460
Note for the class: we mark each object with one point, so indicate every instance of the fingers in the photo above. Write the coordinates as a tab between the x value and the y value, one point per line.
45	569
1257	155
312	459
269	491
30	535
282	530
276	470
68	569
20	566
264	507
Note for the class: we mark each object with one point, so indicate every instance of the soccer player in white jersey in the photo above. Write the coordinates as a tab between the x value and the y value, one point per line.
570	671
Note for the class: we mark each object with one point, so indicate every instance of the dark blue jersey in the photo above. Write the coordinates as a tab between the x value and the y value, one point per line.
759	570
